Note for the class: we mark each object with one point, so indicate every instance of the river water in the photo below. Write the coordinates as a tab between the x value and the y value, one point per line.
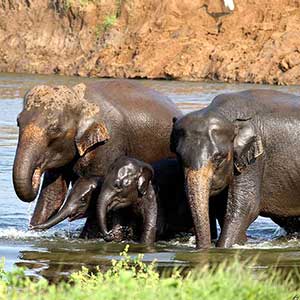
58	252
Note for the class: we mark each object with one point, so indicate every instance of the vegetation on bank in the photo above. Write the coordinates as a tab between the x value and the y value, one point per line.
109	21
132	279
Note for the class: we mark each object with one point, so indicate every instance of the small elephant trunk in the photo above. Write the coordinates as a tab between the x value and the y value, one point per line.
59	217
102	206
198	183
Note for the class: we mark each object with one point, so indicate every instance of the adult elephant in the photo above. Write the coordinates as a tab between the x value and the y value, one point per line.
242	152
69	132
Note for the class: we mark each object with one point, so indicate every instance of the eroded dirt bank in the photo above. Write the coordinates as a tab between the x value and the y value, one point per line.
182	39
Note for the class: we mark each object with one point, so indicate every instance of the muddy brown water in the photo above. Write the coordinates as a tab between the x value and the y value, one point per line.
58	251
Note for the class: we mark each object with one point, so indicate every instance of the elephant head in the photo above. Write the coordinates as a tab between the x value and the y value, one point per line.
126	182
57	124
211	149
77	203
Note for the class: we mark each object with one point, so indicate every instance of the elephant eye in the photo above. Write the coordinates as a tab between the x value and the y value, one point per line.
126	182
54	131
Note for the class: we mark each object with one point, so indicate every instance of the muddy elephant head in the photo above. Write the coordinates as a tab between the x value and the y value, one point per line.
56	125
77	203
125	184
211	149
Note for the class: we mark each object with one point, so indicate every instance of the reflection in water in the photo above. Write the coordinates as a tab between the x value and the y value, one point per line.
53	259
59	252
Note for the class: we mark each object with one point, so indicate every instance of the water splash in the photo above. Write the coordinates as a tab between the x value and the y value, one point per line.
13	233
17	234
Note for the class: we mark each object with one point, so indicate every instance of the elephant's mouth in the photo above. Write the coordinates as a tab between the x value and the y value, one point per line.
113	205
77	215
116	205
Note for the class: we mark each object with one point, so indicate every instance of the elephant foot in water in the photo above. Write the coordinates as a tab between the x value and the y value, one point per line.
119	233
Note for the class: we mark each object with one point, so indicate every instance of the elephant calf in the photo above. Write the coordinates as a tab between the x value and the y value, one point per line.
79	203
153	194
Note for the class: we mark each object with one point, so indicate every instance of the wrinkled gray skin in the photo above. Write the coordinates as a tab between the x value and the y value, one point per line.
153	193
81	133
243	151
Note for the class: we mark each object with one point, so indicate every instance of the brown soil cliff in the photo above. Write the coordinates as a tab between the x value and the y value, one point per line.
182	39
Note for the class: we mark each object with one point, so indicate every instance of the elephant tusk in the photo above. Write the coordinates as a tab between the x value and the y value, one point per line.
36	178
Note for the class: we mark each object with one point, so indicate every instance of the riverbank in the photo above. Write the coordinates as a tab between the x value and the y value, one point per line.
177	39
132	279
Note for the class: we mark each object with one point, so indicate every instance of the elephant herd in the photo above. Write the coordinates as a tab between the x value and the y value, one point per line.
140	170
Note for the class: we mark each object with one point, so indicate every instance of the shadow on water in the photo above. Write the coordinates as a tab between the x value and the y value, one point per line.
57	252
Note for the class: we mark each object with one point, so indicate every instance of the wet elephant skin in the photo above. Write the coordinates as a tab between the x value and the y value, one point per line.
242	149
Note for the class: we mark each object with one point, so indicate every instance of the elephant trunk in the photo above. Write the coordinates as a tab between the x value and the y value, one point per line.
26	173
59	217
102	210
198	183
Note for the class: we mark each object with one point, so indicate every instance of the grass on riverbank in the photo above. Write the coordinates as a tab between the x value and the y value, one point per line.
132	279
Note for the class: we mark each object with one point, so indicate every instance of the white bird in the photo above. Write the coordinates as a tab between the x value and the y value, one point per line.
229	4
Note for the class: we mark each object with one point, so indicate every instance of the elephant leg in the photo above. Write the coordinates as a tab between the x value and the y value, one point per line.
217	207
242	207
52	195
149	212
289	224
91	229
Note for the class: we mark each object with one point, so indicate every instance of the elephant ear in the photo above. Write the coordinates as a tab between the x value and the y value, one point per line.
90	134
247	144
144	178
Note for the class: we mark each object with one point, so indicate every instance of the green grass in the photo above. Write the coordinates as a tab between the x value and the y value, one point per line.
132	279
109	21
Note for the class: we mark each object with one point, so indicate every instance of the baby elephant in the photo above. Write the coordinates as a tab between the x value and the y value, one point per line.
78	204
154	198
